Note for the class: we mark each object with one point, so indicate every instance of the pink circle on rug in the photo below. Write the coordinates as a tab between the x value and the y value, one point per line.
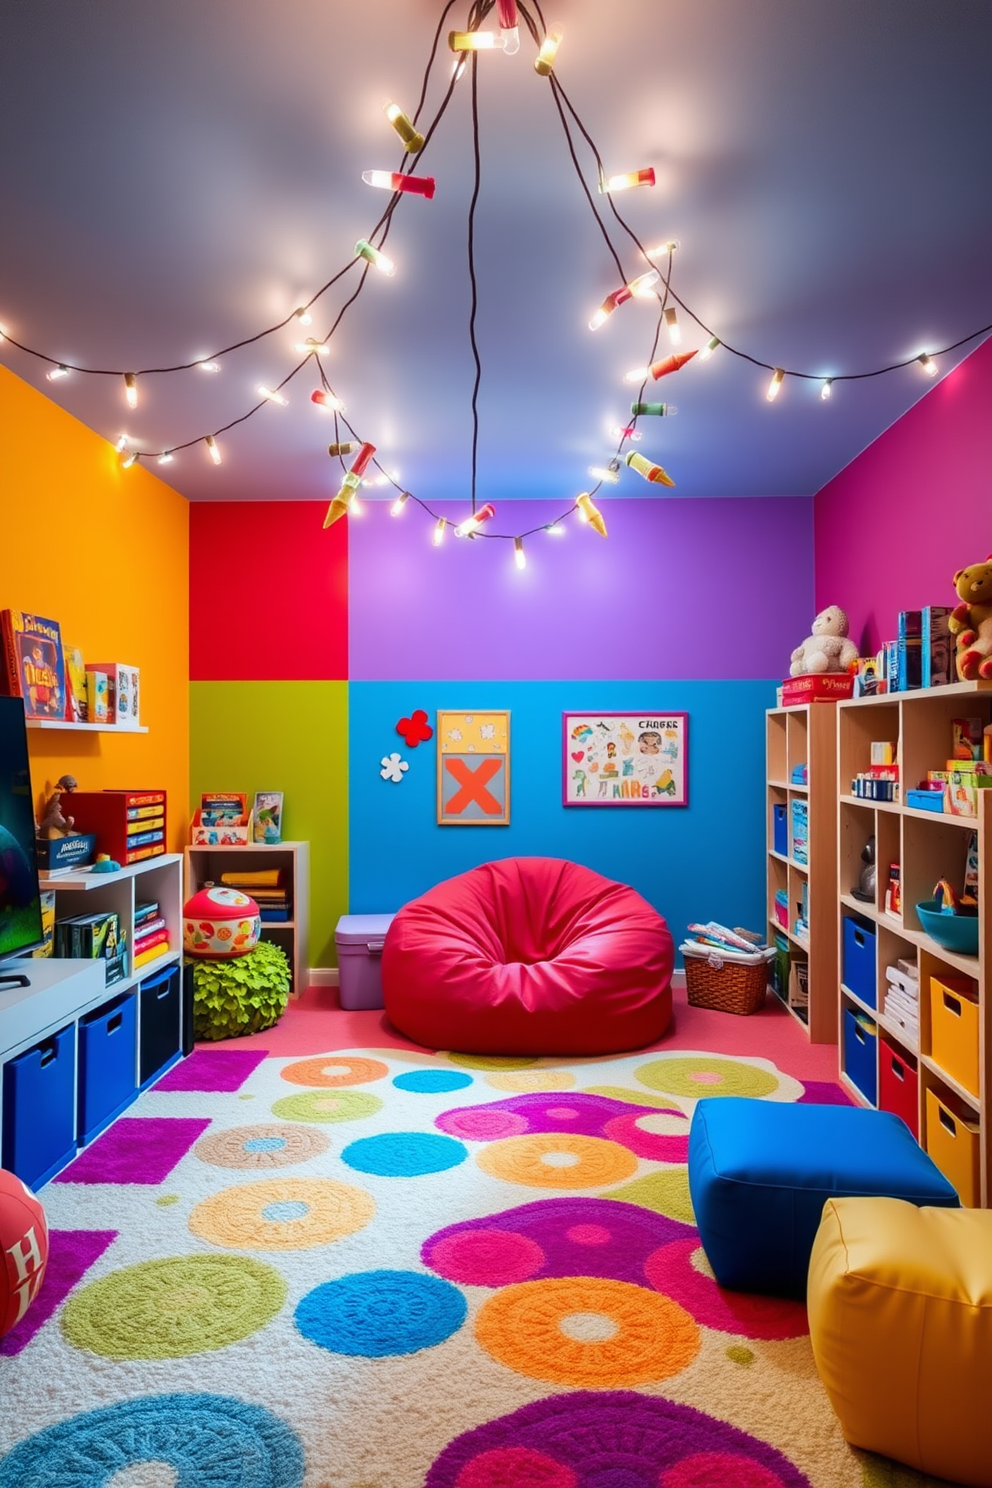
477	1124
669	1269
705	1077
486	1258
719	1470
562	1113
589	1234
669	1147
515	1467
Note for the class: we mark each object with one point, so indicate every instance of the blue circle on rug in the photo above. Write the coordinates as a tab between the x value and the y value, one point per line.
204	1438
404	1154
285	1209
432	1082
377	1314
265	1144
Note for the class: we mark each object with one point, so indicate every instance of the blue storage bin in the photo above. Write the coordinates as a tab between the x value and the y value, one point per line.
39	1109
859	961
107	1064
860	1061
160	1028
780	830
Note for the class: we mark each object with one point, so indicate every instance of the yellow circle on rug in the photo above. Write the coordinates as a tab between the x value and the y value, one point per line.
587	1331
631	1097
493	1061
664	1192
529	1082
702	1075
268	1146
557	1160
282	1214
330	1071
171	1308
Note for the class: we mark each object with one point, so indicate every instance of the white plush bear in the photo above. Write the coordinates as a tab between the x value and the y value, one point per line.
827	649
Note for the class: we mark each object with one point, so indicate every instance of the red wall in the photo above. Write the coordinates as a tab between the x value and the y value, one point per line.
893	527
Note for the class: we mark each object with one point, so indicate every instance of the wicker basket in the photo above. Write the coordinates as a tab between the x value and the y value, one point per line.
713	981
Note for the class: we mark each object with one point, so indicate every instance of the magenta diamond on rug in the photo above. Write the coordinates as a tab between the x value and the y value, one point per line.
71	1253
221	1071
136	1149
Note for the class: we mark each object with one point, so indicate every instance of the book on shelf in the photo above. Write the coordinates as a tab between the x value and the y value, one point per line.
148	909
144	943
92	937
155	953
33	664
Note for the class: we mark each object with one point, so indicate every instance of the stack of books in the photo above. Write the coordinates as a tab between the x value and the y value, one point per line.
266	888
902	996
151	935
93	936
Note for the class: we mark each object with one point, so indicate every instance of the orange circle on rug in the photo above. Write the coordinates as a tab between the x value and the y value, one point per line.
528	1082
557	1160
282	1214
268	1146
587	1331
329	1071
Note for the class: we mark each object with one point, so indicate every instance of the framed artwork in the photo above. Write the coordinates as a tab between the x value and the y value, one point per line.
268	816
473	769
625	759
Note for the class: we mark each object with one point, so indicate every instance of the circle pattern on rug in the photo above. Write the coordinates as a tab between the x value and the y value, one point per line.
172	1308
557	1160
404	1154
662	1136
611	1439
324	1106
678	1270
236	1217
493	1061
204	1438
486	1257
629	1097
665	1193
482	1123
526	1082
432	1081
379	1314
268	1146
526	1328
331	1070
704	1075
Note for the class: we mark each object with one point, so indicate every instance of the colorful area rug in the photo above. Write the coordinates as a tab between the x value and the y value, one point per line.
384	1269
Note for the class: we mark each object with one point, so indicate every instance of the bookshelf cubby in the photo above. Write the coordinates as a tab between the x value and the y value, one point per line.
292	859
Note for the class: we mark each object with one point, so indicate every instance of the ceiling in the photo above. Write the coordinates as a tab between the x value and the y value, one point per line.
178	174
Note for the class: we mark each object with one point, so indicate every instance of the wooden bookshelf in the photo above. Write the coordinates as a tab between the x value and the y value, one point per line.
206	864
805	735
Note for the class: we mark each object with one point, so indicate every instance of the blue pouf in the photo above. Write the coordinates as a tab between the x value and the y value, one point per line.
761	1171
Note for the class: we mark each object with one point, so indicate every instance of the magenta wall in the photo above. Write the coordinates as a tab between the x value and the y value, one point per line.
712	589
894	526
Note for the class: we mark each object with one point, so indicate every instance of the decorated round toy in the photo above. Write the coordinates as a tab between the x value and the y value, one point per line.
23	1249
220	922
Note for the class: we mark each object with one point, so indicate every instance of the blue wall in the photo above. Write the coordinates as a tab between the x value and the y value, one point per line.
704	861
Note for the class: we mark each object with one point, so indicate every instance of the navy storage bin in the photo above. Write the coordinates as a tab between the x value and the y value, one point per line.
780	830
859	960
39	1115
107	1064
160	1027
860	1063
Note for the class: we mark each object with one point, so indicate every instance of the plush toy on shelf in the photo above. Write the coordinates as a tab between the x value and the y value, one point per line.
971	621
827	649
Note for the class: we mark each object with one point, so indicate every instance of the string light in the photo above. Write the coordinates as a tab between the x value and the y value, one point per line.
165	458
396	510
643	285
437	536
659	410
556	529
664	249
364	249
640	287
605	473
342	449
332	404
121	445
667	365
130	390
213	449
607	308
273	395
206	366
56	373
627	180
545	60
509	26
778	377
474	522
928	364
672	325
355	507
130	458
303	315
825	388
647	468
395	181
709	348
590	512
519	556
405	128
312	347
625	431
474	41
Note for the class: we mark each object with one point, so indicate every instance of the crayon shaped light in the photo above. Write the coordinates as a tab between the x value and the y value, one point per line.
474	41
213	449
647	468
509	25
660	410
606	309
626	180
342	449
590	512
130	390
343	500
324	399
396	181
364	249
473	523
545	60
774	387
671	363
360	463
405	128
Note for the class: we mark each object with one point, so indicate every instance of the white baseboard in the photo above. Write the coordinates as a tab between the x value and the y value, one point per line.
678	979
325	976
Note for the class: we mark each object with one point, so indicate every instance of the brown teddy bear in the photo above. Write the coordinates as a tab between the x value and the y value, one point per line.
971	621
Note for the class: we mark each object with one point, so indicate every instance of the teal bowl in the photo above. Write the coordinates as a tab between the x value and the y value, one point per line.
952	932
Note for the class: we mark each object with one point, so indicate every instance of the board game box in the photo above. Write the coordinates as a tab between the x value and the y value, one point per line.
33	664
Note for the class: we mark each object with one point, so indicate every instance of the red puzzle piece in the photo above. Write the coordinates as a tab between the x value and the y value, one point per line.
415	730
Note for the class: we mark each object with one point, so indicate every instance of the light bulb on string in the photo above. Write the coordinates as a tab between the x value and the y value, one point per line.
130	458
346	499
272	394
625	431
556	529
545	60
650	471
213	449
928	364
643	286
590	512
405	128
57	373
437	536
655	410
396	510
825	387
709	348
509	26
519	556
396	181
626	180
330	403
121	444
662	368
303	315
165	458
778	377
347	447
605	473
472	524
378	260
475	41
312	347
672	325
207	366
664	249
130	390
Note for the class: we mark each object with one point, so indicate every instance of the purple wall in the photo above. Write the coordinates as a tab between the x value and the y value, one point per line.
718	588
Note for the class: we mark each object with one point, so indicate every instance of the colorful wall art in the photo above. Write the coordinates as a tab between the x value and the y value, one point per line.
625	759
473	769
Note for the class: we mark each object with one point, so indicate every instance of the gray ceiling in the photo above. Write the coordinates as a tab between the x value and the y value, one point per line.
177	174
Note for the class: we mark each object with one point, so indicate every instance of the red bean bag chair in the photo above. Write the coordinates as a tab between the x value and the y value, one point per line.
529	956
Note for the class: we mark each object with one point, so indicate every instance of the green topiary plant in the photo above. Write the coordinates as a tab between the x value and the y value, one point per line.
242	995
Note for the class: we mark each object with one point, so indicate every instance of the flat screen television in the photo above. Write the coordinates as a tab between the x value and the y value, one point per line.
20	898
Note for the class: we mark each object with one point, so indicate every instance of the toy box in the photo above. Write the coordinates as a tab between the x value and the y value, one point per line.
360	939
33	664
62	854
122	691
817	687
115	816
97	697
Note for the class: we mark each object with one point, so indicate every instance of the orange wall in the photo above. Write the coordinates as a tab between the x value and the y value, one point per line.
73	527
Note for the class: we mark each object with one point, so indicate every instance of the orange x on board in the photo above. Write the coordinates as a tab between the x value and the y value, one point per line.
473	786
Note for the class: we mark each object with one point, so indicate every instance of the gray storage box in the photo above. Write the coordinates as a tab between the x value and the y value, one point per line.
360	939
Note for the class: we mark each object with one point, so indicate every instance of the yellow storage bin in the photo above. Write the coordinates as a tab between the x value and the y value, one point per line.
954	1029
953	1145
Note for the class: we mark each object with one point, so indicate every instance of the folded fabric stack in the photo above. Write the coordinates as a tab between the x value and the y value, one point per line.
151	935
266	888
902	996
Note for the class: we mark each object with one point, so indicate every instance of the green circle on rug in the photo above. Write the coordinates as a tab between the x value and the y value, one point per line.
327	1105
630	1097
172	1308
492	1061
701	1075
665	1192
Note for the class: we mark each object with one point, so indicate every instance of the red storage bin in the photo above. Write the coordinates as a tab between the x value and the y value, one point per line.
898	1085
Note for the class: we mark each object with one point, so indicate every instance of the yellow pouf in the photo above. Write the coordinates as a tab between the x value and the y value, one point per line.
900	1318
